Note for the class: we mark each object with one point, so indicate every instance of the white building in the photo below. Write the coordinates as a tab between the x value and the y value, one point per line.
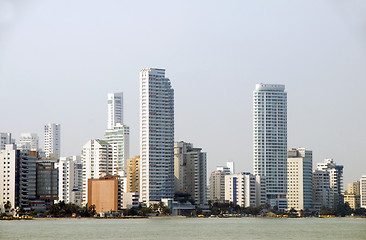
245	189
5	138
28	141
7	176
18	177
363	191
270	140
70	179
52	139
299	179
322	195
225	169
190	171
97	162
230	165
115	109
156	136
119	139
335	178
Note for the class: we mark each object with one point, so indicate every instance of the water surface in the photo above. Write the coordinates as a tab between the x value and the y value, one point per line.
186	228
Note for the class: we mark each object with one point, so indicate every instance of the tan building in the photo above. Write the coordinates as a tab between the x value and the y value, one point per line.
190	167
217	186
354	188
133	174
103	193
352	199
352	196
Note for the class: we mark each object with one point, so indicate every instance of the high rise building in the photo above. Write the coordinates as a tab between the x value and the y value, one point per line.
119	139
190	167
5	138
156	136
115	109
97	162
70	179
363	191
217	185
322	193
18	178
299	179
28	141
133	174
270	140
335	178
245	189
52	140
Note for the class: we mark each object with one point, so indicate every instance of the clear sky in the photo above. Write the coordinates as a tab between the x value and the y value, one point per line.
59	59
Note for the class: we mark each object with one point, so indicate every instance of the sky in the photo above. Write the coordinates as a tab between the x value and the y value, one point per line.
59	59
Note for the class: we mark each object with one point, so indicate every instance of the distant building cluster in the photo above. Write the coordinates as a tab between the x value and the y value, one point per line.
167	171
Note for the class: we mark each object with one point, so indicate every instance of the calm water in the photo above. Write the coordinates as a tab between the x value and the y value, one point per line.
186	228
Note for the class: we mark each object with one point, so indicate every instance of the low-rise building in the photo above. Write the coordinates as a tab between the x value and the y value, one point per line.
245	189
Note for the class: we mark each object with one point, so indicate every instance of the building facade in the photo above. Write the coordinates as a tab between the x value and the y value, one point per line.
336	179
52	140
245	189
97	162
133	174
270	140
363	191
18	178
5	138
70	179
322	192
156	136
115	109
299	179
119	138
217	185
47	181
28	141
190	167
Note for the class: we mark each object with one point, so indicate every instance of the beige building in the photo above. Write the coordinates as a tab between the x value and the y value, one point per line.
352	199
133	174
352	196
299	179
217	186
190	166
354	188
103	193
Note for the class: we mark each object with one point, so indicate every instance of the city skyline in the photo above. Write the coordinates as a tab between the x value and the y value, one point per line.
320	59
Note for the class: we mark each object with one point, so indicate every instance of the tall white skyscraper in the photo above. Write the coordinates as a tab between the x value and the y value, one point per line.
270	140
52	139
156	136
28	141
117	133
115	109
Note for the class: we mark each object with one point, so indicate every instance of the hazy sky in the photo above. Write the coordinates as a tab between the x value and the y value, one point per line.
59	59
